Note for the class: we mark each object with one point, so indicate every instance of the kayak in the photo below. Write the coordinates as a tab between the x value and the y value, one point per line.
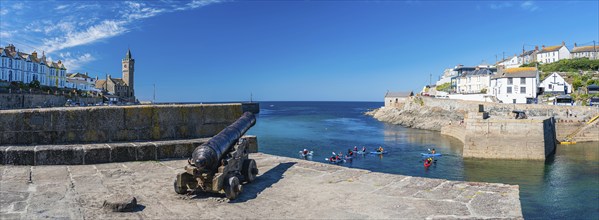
431	155
361	152
376	152
427	164
348	157
310	153
336	161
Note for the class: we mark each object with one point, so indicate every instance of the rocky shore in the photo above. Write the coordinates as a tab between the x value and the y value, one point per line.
414	114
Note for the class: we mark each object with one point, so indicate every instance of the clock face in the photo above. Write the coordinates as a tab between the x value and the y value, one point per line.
125	66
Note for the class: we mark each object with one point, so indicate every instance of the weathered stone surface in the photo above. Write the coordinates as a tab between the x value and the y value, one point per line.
174	149
283	185
121	152
120	203
20	155
3	154
253	143
96	153
146	151
59	155
101	124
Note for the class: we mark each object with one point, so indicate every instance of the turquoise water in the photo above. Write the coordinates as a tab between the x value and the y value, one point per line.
564	186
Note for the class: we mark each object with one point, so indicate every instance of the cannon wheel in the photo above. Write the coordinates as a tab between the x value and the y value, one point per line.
249	170
179	190
232	188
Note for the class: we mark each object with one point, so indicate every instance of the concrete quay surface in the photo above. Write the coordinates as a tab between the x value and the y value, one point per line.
285	188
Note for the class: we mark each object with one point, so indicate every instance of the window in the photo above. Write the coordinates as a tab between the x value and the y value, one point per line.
510	81
522	80
551	86
522	90
509	90
514	101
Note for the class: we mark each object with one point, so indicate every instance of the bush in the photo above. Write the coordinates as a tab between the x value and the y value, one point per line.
34	84
445	87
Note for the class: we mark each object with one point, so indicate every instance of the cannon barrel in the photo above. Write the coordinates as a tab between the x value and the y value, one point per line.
206	157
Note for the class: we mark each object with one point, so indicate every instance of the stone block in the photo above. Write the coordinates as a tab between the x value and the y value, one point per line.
9	137
121	152
20	155
96	153
106	118
3	154
253	143
59	155
145	151
174	149
11	120
138	117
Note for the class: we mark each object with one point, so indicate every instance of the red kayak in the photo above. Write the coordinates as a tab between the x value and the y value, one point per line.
427	163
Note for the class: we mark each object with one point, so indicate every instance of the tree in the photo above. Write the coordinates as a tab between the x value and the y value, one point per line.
34	84
577	83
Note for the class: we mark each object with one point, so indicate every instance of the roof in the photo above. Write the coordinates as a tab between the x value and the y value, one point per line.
551	49
478	72
399	94
593	86
527	72
72	75
585	49
563	97
100	83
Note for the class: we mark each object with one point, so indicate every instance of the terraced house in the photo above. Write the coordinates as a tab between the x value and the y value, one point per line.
591	52
553	53
22	67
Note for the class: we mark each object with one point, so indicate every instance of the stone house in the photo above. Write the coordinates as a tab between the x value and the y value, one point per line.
528	56
591	52
555	84
515	85
121	87
553	53
397	99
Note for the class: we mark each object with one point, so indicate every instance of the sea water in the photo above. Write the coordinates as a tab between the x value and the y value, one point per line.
564	186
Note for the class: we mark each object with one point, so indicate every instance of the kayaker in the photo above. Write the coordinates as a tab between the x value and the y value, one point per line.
355	148
363	149
350	152
306	151
433	151
380	149
332	159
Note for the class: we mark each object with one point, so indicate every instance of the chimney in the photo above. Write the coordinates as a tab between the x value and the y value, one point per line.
575	44
86	74
563	43
34	54
59	62
537	47
543	47
11	48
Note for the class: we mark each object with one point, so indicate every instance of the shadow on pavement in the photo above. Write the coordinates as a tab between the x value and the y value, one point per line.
251	190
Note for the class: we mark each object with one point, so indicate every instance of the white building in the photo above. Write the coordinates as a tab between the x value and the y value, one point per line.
591	52
556	84
21	67
515	85
553	53
511	62
446	77
475	81
528	56
81	82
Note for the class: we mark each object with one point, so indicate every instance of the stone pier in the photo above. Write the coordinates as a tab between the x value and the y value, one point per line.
285	188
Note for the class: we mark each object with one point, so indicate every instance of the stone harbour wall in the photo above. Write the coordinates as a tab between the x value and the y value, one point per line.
508	138
114	123
23	101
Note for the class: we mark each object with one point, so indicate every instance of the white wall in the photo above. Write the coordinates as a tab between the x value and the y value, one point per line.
499	88
557	85
471	97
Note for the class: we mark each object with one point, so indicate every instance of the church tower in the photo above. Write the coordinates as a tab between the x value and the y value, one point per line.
128	73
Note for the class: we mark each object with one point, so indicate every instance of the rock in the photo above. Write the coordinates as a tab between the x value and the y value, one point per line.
120	203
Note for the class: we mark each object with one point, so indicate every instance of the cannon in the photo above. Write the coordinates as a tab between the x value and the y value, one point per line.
221	164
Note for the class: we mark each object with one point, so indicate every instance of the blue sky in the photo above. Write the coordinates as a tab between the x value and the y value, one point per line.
200	51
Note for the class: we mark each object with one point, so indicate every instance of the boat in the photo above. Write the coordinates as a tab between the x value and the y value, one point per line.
427	163
431	155
335	161
377	152
361	152
310	153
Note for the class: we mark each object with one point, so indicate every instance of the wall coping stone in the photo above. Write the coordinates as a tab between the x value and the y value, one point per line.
81	154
